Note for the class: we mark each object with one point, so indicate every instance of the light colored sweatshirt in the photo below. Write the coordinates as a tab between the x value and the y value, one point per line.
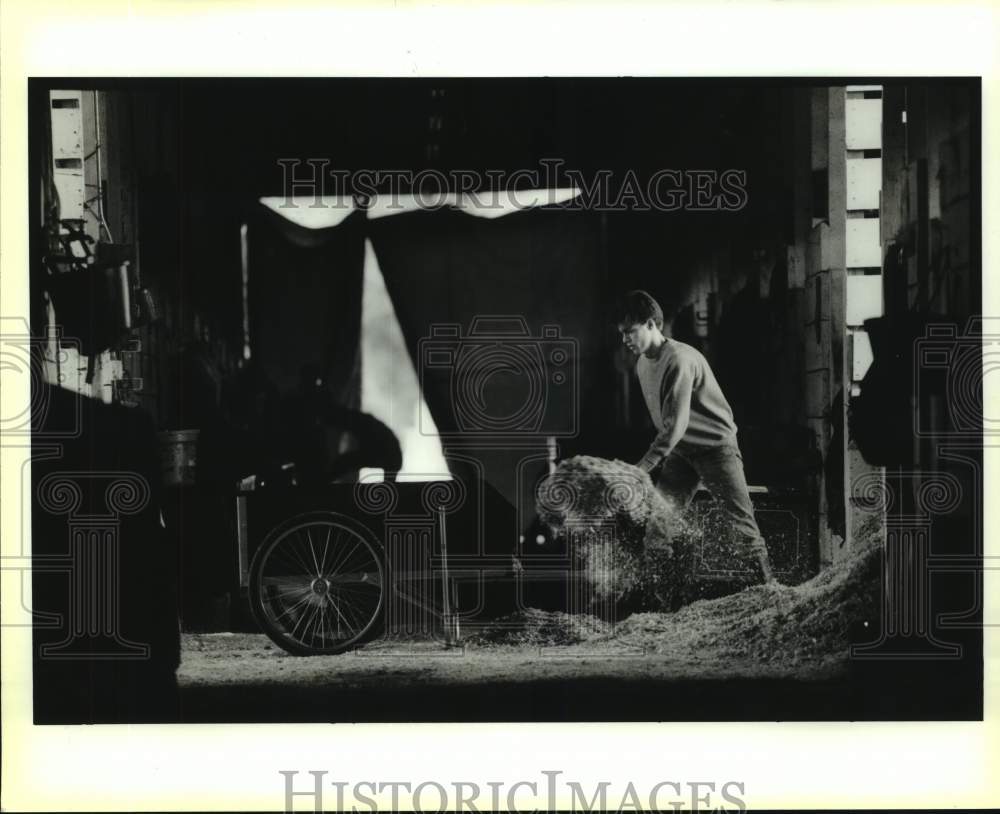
685	402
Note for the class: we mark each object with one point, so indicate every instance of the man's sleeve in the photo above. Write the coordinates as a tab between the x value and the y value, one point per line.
675	412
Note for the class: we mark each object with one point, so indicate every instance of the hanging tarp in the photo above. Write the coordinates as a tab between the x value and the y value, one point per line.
305	301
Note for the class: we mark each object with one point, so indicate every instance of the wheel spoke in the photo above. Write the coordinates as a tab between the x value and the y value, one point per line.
301	590
348	610
352	578
312	551
278	555
351	610
337	557
340	617
301	550
355	562
283	555
318	617
322	620
326	546
336	547
358	588
293	633
345	556
345	559
293	607
361	558
293	552
315	611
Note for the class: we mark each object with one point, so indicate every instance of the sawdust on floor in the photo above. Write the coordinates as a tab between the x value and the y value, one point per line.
766	622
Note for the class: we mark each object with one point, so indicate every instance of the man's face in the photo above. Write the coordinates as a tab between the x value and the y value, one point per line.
638	337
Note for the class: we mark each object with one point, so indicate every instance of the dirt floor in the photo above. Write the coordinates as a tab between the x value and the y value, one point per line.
765	653
244	677
246	659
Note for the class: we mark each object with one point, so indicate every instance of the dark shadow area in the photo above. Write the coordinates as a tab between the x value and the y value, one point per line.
882	694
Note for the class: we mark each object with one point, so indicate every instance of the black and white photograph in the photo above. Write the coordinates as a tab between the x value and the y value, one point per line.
522	400
459	400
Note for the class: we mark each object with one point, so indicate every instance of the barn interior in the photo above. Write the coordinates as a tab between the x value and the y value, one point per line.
228	309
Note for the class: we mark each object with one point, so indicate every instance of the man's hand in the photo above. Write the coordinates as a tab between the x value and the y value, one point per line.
645	465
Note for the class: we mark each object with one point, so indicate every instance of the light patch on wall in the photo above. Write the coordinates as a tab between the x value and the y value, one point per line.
310	211
484	204
498	204
862	355
66	366
863	124
864	297
864	182
863	247
381	206
389	387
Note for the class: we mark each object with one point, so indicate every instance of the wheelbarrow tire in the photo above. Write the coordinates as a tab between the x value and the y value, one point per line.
318	584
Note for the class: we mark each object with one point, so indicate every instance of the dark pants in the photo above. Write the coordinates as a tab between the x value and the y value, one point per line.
720	469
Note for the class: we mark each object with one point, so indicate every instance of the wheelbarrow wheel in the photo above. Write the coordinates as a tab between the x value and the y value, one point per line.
317	584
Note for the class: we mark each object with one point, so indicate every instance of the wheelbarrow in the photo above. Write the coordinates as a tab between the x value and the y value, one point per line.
319	581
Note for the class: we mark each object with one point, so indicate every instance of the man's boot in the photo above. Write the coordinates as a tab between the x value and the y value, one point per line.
762	560
764	563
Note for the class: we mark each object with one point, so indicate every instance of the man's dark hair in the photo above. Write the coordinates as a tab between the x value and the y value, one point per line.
638	306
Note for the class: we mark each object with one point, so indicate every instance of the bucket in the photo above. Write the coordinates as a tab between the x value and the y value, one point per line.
179	457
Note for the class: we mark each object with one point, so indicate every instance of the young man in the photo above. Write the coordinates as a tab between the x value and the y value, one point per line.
696	438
